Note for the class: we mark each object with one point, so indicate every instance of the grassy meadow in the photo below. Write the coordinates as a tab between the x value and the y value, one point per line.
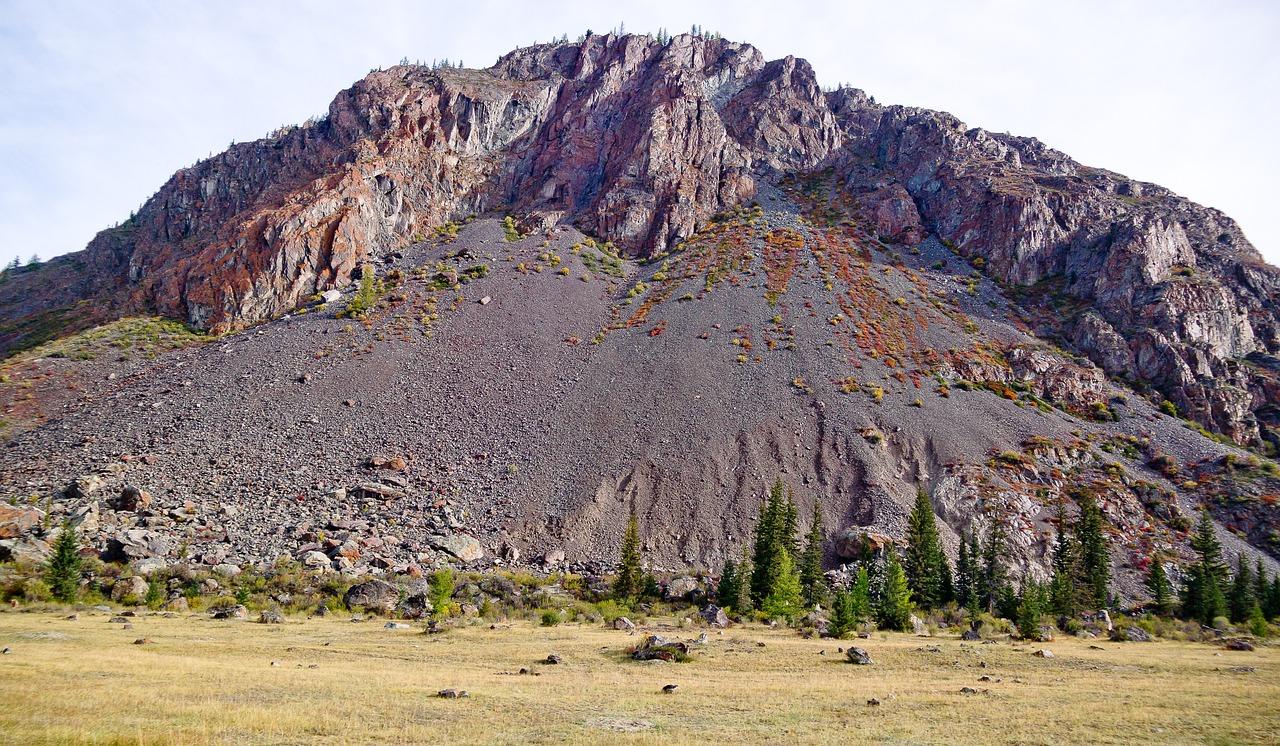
198	680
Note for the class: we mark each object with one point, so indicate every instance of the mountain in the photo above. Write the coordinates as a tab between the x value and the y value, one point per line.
626	273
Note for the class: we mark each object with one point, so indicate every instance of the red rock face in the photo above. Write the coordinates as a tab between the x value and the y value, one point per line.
640	142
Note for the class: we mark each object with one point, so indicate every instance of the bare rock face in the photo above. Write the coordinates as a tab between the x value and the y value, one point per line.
640	142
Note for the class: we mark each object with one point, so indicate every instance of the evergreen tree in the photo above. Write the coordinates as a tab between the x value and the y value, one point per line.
812	580
1240	602
964	574
63	571
843	620
775	533
1203	598
925	563
790	526
1272	610
860	595
1030	610
783	598
977	577
852	606
1260	585
742	603
1095	557
1158	585
768	527
727	592
1062	587
894	609
629	583
995	578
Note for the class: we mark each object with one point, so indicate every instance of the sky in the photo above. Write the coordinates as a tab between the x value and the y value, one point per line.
100	102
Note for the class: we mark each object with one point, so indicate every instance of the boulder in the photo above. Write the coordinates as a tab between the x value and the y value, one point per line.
86	519
271	616
624	623
715	616
1131	633
84	486
1043	653
553	558
16	521
27	549
918	627
858	656
970	635
682	588
463	546
1239	644
149	565
316	560
177	603
372	595
132	499
238	611
330	296
134	587
416	606
136	544
656	647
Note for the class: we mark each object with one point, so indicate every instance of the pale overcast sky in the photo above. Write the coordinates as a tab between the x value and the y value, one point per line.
101	101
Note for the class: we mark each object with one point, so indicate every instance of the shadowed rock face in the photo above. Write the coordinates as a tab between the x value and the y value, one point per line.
641	143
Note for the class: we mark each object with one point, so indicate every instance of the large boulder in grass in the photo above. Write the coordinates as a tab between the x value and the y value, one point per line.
656	647
1130	633
858	656
372	595
715	616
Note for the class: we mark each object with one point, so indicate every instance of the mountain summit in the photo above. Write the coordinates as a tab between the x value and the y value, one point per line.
631	274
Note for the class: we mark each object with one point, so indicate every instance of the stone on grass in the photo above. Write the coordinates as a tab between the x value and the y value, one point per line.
858	656
372	595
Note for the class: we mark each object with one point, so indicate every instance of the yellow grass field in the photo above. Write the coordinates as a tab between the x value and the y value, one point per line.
338	681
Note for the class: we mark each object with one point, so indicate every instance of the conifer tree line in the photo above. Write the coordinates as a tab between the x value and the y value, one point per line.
1210	591
780	574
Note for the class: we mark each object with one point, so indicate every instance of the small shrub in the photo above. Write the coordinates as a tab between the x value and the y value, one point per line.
549	618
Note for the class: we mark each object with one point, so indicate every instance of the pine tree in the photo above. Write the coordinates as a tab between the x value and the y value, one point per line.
1272	610
894	609
727	591
1062	587
860	595
812	580
1095	557
925	561
1158	585
63	571
852	606
977	577
1030	609
790	525
742	603
1260	585
783	598
1240	601
964	574
629	583
843	621
1203	598
994	575
768	527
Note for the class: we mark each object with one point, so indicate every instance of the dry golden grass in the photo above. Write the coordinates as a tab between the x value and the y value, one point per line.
204	681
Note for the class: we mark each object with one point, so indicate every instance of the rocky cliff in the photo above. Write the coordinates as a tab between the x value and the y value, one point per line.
641	143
